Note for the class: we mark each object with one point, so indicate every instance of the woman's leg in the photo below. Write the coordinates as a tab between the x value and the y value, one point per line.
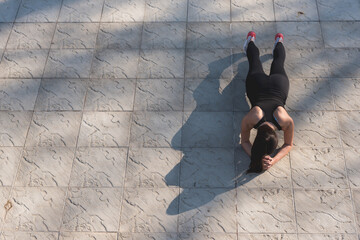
277	66
253	55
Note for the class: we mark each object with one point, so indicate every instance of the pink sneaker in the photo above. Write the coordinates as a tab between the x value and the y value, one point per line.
279	37
250	37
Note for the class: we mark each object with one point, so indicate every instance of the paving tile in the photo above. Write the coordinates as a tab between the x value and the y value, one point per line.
92	209
13	128
352	165
299	35
18	94
165	10
208	129
346	93
209	35
146	210
278	176
31	36
259	10
81	11
163	35
159	95
152	167
207	210
69	63
75	35
327	236
267	236
9	161
104	129
265	211
38	11
344	63
35	209
315	129
110	95
29	235
4	198
332	10
356	199
318	168
324	211
207	168
9	10
61	94
79	236
294	10
115	63
130	11
208	63
349	128
147	236
5	29
265	32
45	167
208	95
341	34
156	129
240	101
207	236
58	129
310	94
99	167
119	35
23	63
161	63
203	11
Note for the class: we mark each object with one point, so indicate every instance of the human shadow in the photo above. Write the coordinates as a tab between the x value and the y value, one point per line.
212	158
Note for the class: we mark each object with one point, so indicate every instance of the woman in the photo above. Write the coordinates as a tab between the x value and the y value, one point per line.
267	94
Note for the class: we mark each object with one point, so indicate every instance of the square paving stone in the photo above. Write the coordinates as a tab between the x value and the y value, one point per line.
13	128
45	167
266	211
278	176
81	11
92	210
68	63
54	129
23	63
207	210
18	94
146	210
318	168
9	162
104	129
209	95
61	94
152	167
110	95
352	164
161	63
115	63
327	236
295	10
147	236
79	236
250	10
119	35
38	11
165	11
129	11
163	35
315	129
349	128
332	10
156	129
203	10
31	36
159	95
341	34
29	235
4	198
344	63
75	35
99	167
9	10
208	63
324	211
208	129
209	35
356	197
278	236
207	236
207	168
35	209
5	29
308	94
346	93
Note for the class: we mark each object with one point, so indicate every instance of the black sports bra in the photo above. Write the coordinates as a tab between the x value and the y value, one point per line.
268	109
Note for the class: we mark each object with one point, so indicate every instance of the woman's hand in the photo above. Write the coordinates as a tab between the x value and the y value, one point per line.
267	162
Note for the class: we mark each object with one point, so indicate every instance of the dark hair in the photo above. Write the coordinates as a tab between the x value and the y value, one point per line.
265	143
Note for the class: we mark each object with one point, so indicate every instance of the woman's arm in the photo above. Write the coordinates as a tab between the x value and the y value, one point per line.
246	125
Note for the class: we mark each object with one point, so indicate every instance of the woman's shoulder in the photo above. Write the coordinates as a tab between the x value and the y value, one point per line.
253	116
282	117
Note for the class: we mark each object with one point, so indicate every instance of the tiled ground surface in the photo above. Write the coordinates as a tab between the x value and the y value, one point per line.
120	119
